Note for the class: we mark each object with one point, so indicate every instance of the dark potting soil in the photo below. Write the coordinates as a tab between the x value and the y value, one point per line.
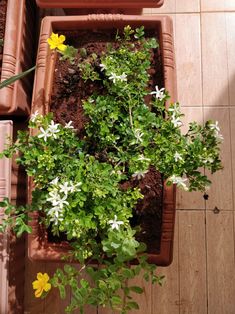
68	93
3	12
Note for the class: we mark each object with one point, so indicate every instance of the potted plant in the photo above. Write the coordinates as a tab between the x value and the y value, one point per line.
112	157
16	54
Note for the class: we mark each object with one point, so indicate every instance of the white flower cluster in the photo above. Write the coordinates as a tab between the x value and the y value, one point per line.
52	130
216	128
58	198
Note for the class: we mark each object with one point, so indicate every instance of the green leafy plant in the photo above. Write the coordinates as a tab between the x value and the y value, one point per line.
79	193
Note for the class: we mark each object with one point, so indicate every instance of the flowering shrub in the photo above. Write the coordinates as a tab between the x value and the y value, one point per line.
79	193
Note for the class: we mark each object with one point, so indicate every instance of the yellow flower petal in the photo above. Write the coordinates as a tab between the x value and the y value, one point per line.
61	39
62	47
36	284
47	287
39	276
38	293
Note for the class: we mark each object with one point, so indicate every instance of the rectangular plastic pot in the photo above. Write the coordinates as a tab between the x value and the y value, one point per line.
18	55
5	191
100	4
39	247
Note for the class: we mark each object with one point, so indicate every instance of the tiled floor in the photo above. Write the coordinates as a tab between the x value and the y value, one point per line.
201	279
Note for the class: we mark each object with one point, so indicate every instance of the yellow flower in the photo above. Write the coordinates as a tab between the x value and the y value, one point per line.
56	41
41	284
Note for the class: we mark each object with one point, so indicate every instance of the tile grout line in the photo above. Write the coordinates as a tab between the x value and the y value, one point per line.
230	129
178	248
205	206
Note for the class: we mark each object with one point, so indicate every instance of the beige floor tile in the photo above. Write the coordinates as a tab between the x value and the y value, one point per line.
220	192
188	59
187	5
220	263
232	119
230	28
189	200
217	5
214	59
192	261
165	299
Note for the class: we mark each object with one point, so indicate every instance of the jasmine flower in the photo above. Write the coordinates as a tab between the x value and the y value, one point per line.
142	158
175	108
138	135
179	181
55	181
69	125
139	174
215	126
34	116
53	129
177	157
115	223
103	66
159	93
44	134
176	121
114	77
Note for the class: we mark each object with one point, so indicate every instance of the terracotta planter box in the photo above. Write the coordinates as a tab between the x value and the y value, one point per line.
18	52
12	263
39	246
100	3
5	191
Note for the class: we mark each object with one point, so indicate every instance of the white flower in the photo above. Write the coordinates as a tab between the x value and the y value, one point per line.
142	158
208	160
139	174
175	108
177	157
69	125
159	93
215	126
103	66
62	202
34	116
138	135
179	181
74	187
123	77
65	188
55	211
53	128
219	136
44	133
69	187
54	197
176	121
114	77
115	223
55	181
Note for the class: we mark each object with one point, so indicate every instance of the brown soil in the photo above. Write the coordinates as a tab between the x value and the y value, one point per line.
3	11
69	90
